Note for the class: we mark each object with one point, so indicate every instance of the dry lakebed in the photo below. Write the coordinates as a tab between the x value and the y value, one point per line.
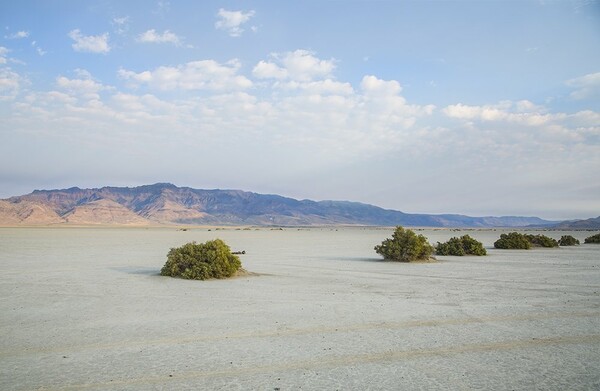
85	308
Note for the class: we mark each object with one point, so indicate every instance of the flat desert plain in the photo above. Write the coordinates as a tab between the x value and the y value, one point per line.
85	308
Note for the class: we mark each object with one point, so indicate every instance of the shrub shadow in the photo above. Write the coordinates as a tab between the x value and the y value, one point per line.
362	259
381	260
145	271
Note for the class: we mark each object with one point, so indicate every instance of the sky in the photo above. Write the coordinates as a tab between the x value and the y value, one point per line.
472	107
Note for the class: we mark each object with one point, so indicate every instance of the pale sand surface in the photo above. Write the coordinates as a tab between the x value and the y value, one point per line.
85	309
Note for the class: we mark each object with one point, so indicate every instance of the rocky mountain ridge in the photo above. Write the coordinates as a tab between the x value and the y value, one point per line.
164	203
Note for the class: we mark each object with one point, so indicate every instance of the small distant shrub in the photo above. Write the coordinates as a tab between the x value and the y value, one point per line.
593	239
568	240
465	245
541	241
192	261
512	240
405	246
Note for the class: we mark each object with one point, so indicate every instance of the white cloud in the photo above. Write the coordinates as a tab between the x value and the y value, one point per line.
121	24
162	8
3	52
195	75
303	65
269	70
587	118
151	36
509	128
89	43
78	85
38	49
10	83
319	87
145	103
521	112
231	21
48	98
387	110
84	87
462	111
524	106
371	85
299	65
83	73
18	35
586	86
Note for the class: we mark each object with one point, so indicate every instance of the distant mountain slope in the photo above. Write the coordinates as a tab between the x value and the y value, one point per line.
28	213
103	211
593	223
165	203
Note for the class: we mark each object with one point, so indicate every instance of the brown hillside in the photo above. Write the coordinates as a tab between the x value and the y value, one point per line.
103	212
27	212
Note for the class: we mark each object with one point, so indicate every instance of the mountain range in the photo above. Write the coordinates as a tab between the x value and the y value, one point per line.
164	203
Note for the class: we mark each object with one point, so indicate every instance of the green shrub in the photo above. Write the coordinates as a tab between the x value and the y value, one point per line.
593	239
405	246
515	240
512	240
568	240
193	261
541	241
465	245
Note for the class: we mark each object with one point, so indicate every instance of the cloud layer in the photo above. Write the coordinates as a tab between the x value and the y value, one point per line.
194	75
303	105
411	124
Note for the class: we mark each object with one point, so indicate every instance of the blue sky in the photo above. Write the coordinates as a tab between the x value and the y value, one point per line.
480	108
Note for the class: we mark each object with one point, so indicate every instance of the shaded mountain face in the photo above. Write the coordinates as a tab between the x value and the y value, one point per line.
589	224
164	203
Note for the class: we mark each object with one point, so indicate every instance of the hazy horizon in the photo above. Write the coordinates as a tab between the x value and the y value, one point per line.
474	108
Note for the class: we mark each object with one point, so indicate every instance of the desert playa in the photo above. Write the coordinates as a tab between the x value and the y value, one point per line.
85	308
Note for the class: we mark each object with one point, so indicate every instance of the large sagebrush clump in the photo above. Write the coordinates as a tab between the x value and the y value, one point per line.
405	246
513	240
568	240
193	261
465	245
541	241
593	239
